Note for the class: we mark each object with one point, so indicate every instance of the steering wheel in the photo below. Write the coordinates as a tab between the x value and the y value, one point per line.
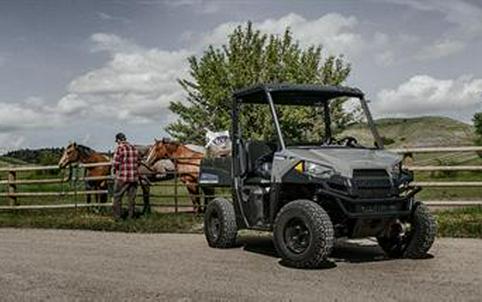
348	141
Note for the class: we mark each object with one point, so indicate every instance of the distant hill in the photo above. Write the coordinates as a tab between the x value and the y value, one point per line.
397	132
418	132
44	156
8	161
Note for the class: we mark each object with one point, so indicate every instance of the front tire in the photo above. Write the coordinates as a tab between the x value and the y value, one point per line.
417	240
303	234
220	226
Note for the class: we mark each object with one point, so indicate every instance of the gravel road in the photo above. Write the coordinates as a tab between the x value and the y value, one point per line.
39	265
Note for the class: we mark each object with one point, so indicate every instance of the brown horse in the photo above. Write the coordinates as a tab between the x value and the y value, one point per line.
186	161
75	153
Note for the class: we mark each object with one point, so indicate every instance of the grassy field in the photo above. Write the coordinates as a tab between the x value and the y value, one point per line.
465	222
86	219
454	193
452	223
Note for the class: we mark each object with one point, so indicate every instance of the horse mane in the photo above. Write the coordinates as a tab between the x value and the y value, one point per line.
167	140
85	151
143	149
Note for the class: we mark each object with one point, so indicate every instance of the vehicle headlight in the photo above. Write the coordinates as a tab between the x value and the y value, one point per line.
315	170
396	170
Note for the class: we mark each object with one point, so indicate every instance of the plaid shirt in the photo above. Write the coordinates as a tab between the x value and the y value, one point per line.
126	163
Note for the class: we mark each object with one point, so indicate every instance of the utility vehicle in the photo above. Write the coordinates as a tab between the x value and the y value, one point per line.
309	193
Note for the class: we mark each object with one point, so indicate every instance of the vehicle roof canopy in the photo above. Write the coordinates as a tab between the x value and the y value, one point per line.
294	94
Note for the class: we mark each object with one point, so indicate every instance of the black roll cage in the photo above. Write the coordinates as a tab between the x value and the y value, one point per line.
304	95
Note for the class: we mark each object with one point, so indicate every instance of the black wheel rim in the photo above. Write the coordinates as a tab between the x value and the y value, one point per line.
400	239
297	236
214	226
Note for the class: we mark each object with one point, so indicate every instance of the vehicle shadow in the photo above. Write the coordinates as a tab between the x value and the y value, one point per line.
359	251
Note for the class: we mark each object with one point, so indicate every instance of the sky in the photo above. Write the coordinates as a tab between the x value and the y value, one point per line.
85	70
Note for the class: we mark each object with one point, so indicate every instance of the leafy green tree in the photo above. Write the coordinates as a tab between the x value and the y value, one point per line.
477	119
251	57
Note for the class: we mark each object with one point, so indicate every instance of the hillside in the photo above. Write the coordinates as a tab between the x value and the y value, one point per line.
9	161
418	132
43	156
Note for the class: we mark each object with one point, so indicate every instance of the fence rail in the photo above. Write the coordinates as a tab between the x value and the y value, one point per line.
12	193
437	149
408	157
12	182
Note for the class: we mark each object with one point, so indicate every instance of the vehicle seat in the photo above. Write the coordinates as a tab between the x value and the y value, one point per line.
259	159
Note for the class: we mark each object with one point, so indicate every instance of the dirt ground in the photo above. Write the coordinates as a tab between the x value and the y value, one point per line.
54	265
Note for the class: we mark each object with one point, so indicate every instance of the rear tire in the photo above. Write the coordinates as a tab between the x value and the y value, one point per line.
417	241
303	234
220	226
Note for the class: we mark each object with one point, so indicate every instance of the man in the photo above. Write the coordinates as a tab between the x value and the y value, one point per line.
126	170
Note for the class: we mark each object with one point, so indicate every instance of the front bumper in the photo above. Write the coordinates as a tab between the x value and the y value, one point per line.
372	207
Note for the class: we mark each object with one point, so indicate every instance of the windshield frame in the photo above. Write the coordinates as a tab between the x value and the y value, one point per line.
327	120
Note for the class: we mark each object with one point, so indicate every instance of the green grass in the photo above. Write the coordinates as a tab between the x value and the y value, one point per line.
450	193
85	219
465	222
6	161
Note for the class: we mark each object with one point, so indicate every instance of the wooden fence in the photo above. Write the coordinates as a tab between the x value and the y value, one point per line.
408	164
12	193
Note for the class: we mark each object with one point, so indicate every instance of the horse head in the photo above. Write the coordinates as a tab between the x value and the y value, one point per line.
161	149
71	155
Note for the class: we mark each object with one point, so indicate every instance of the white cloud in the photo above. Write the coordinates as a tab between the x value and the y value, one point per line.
200	6
393	50
72	104
135	85
466	21
465	15
440	49
10	141
385	58
144	72
107	17
32	113
423	94
335	32
112	43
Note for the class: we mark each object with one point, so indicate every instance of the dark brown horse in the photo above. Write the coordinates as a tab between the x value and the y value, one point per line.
187	163
75	153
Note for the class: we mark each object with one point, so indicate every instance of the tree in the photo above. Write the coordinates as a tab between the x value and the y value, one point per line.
251	57
477	119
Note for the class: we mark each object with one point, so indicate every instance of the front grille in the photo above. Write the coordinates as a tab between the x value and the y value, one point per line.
371	183
369	173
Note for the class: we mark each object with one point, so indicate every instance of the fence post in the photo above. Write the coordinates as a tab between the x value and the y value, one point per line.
175	186
12	187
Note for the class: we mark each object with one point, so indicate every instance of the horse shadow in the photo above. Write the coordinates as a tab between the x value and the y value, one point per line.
348	251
